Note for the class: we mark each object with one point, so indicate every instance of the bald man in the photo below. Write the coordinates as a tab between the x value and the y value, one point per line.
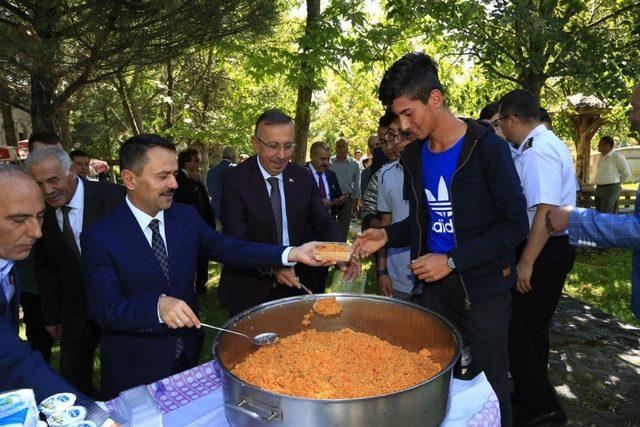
21	214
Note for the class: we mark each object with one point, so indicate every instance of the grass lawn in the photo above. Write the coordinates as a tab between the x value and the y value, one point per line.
599	277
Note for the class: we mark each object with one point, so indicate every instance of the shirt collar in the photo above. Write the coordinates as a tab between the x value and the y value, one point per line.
266	175
143	218
5	266
77	201
315	172
540	129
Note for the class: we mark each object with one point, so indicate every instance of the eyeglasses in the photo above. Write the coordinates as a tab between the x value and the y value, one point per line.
391	137
274	146
498	122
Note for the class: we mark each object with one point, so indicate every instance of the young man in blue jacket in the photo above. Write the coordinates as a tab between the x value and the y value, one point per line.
467	216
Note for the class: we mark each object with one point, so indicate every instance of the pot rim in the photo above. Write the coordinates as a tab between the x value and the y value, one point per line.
446	370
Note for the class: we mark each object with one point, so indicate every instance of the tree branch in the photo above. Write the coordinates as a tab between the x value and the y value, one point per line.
614	14
16	10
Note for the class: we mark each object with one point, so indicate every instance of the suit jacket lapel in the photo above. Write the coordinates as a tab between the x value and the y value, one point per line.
91	205
134	238
290	198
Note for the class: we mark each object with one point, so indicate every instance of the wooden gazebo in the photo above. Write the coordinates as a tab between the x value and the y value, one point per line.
585	113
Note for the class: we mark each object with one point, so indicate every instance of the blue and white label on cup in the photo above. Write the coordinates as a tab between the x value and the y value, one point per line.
56	403
67	416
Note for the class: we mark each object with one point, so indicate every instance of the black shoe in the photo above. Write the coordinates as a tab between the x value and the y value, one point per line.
547	419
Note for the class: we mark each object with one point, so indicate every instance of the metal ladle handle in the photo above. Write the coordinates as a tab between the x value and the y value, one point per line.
226	330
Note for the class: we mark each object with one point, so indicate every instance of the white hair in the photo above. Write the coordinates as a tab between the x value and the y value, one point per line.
42	154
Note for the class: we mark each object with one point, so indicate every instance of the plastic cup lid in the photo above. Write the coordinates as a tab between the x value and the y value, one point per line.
57	403
67	416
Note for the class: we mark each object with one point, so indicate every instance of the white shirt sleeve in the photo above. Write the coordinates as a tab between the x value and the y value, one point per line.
285	257
623	168
541	179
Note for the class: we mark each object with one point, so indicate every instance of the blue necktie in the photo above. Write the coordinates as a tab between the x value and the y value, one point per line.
160	252
159	249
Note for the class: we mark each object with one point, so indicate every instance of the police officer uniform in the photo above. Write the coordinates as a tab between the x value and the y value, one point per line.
546	170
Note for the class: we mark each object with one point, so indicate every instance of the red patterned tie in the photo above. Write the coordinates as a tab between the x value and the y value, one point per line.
323	192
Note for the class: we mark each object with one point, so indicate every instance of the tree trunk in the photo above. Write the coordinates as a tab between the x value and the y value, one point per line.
168	121
533	83
121	87
43	112
585	127
8	125
63	118
305	86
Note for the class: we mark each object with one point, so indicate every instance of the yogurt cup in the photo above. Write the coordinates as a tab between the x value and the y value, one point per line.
56	403
67	416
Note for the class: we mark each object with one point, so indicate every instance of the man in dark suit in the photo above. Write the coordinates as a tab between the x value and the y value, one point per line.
267	199
73	204
21	213
214	178
139	262
332	199
191	191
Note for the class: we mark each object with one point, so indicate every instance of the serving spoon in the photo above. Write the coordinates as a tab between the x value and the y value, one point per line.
265	338
309	292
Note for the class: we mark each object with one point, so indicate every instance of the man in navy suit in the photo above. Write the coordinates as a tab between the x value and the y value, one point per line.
267	199
21	214
214	178
140	260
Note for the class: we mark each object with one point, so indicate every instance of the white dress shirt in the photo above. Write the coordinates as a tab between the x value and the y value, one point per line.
546	171
285	224
144	220
75	213
7	287
613	168
327	191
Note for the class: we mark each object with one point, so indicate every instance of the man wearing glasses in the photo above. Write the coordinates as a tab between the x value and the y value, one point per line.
267	199
546	170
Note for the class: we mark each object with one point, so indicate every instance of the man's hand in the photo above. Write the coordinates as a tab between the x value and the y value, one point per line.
355	208
55	331
430	267
384	286
327	203
305	255
287	276
340	200
369	242
557	218
524	276
176	313
350	269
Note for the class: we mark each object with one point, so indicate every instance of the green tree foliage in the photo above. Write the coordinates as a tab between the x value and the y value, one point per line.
49	49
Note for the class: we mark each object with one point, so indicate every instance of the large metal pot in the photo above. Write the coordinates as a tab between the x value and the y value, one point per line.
408	325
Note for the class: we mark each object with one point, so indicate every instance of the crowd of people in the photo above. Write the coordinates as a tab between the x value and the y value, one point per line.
475	228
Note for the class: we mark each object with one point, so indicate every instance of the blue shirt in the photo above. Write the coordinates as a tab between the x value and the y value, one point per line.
437	170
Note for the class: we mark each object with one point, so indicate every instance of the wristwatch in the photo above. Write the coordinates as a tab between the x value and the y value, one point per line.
450	263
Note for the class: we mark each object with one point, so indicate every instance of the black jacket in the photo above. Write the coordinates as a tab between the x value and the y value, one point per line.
489	212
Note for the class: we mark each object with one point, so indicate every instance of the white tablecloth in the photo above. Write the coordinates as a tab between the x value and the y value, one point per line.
194	398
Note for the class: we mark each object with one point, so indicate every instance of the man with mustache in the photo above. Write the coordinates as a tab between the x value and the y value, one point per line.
73	204
270	200
21	213
140	260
